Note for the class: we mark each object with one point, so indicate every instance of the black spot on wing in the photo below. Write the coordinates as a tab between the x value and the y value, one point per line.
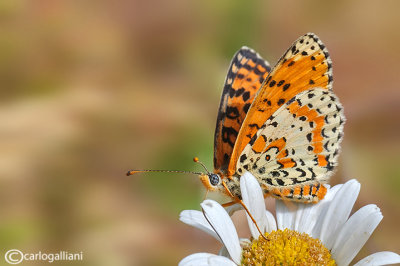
285	173
279	181
297	100
232	92
239	92
326	147
254	125
271	148
246	96
267	180
232	112
227	132
309	137
246	107
253	139
286	86
302	172
329	167
276	174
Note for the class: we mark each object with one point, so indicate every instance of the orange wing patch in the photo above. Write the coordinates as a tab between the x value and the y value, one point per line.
304	66
316	120
245	76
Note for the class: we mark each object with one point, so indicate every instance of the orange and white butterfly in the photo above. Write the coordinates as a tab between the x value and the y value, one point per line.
283	125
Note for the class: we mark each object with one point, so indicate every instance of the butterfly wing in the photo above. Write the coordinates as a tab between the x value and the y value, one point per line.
295	151
245	76
304	66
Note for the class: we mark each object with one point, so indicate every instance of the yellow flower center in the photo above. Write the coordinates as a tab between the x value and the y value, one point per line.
286	248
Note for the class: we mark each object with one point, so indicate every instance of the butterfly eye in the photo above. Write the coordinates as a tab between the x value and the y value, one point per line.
214	179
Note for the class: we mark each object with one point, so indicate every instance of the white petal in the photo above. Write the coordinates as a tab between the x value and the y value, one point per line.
354	233
224	252
305	218
197	219
299	216
223	226
338	212
205	259
379	258
353	224
253	198
271	222
285	211
321	209
311	213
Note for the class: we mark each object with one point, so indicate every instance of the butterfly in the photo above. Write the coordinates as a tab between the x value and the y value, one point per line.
283	124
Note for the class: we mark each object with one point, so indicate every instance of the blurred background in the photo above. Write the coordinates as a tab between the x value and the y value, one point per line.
91	89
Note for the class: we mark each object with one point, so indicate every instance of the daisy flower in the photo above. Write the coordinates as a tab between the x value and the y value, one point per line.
319	234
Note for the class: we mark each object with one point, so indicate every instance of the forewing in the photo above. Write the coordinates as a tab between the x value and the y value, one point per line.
304	66
245	76
299	144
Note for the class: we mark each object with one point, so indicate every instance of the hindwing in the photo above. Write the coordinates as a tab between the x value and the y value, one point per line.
298	145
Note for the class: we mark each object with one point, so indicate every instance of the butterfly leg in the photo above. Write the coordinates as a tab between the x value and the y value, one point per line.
237	200
205	195
228	204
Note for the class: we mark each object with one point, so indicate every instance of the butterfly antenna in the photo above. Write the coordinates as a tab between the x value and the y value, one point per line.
196	160
132	172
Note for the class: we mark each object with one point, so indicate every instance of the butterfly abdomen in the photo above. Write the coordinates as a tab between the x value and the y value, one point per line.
311	193
233	184
308	192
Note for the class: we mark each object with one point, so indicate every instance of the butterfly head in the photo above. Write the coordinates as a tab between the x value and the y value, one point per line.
211	181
